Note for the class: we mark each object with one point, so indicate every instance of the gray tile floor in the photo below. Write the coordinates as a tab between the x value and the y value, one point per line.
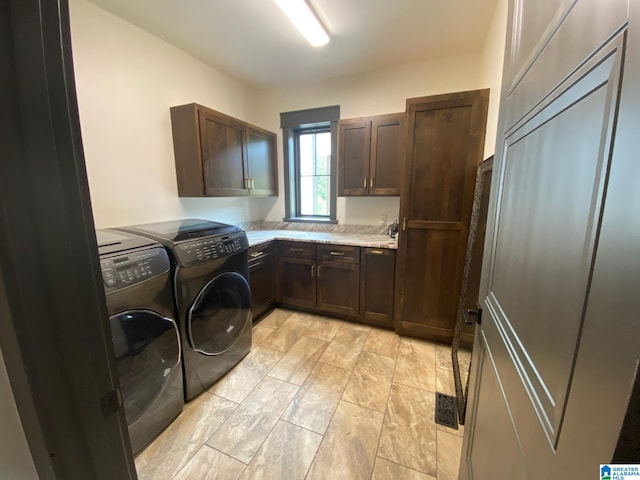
317	398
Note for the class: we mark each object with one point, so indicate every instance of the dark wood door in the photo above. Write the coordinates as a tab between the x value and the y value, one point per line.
387	154
557	350
297	281
223	158
262	279
377	271
445	146
261	162
354	147
339	287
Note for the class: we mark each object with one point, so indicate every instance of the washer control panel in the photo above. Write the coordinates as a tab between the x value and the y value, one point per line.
128	268
210	248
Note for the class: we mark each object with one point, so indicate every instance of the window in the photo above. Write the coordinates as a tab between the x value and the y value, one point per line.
310	140
313	168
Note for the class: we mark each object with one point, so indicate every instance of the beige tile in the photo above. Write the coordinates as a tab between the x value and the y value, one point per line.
297	363
382	342
315	402
287	334
352	334
445	382
409	432
275	319
177	444
459	432
260	333
449	449
443	356
341	355
210	464
370	382
241	435
244	377
323	328
286	453
386	470
416	364
348	448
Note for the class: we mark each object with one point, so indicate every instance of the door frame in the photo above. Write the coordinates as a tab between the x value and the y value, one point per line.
56	343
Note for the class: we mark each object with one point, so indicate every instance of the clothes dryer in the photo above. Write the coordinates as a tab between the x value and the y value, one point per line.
137	283
211	292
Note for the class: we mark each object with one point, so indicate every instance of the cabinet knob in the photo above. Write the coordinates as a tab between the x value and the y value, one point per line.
336	254
313	270
319	267
365	183
371	183
376	252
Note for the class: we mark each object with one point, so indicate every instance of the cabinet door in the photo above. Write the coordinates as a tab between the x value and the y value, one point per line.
387	154
262	280
223	159
445	147
338	287
354	147
261	162
297	281
377	269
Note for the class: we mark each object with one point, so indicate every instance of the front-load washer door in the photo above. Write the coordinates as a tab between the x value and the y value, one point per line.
219	314
147	347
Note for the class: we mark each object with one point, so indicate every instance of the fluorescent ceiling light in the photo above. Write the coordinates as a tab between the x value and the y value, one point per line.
305	20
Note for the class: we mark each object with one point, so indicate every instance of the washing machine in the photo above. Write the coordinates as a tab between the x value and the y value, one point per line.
146	340
211	293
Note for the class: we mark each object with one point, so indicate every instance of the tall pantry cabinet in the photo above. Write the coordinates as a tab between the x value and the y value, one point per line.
445	143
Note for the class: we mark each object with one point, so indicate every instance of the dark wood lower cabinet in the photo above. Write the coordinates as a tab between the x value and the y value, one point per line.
262	279
377	272
351	282
338	287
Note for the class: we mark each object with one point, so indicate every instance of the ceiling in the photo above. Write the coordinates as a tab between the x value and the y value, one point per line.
254	42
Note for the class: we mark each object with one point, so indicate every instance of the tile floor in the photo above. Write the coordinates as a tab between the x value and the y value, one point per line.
317	398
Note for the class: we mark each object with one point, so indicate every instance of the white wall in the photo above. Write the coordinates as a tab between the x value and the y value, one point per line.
361	95
491	74
126	81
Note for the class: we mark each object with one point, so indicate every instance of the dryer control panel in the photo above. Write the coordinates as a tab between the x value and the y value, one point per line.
128	268
210	248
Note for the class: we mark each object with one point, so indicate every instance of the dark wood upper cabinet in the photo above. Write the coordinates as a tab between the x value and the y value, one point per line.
261	161
445	146
370	155
220	156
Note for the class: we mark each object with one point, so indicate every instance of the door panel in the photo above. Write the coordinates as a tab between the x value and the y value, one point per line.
499	458
548	197
387	150
223	161
261	162
553	184
339	287
440	164
354	148
575	38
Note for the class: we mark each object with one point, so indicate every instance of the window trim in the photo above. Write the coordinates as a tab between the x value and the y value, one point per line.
307	119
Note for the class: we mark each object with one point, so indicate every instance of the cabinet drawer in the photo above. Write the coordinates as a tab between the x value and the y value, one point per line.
339	253
296	249
259	253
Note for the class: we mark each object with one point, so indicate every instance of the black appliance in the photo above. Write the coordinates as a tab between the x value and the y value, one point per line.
211	293
137	283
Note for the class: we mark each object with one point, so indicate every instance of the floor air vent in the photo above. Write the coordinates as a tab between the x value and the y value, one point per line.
446	410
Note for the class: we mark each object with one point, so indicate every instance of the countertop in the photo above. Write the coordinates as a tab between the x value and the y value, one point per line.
257	237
